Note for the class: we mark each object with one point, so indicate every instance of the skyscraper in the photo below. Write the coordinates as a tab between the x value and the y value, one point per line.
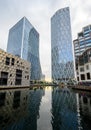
61	46
23	41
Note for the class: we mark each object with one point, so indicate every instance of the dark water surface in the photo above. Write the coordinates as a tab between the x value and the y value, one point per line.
45	109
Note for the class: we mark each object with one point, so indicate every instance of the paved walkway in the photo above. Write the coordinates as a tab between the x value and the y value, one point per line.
80	87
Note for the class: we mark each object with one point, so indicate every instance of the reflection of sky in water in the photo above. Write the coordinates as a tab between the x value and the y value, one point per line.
44	122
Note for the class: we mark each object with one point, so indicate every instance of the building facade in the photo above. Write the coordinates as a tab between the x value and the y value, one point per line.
83	68
81	44
61	46
23	41
14	71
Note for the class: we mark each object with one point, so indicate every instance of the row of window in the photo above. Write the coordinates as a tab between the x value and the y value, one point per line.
13	62
82	76
4	78
85	41
82	68
18	77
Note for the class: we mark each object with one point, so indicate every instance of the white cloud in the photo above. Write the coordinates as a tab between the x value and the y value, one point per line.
80	15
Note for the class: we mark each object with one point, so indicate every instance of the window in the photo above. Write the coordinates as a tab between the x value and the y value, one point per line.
87	67
88	75
77	73
86	29
81	69
82	77
27	76
18	77
80	35
12	61
76	66
4	78
7	60
81	62
77	78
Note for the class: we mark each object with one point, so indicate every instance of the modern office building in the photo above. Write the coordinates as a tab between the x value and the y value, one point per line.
14	71
61	46
23	41
81	46
83	41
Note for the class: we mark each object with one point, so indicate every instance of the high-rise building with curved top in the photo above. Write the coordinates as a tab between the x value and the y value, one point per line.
23	41
61	46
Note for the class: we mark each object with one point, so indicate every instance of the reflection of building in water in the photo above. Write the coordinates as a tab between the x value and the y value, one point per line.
19	109
85	110
85	100
64	111
13	106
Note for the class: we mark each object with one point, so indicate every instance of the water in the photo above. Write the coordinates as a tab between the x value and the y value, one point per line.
45	109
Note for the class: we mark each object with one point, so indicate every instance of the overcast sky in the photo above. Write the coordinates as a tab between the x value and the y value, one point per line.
39	12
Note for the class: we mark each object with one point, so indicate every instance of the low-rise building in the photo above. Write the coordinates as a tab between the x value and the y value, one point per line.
83	66
14	71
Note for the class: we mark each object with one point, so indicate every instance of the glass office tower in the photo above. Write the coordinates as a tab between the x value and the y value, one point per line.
23	41
61	46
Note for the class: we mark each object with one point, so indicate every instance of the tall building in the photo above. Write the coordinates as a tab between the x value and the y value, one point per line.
61	46
23	41
82	54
